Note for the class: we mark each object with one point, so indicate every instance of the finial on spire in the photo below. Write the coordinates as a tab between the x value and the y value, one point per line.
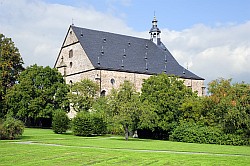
72	21
155	32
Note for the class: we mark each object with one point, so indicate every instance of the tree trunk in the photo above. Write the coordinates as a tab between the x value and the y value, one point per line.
126	132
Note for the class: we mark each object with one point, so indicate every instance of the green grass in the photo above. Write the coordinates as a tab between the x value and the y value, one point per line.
113	150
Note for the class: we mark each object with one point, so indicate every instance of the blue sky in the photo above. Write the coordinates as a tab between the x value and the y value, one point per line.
173	14
210	37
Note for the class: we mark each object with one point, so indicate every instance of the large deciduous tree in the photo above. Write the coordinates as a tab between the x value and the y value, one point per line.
10	68
164	94
125	107
229	106
83	94
37	94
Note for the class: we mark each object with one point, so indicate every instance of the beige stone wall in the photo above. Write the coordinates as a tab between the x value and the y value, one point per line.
105	77
196	85
79	61
119	77
70	38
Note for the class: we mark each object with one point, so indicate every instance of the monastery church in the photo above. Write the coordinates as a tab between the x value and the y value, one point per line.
109	59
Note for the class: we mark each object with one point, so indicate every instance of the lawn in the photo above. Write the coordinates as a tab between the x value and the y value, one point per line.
43	147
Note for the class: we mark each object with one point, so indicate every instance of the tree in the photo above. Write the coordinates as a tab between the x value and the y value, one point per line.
229	106
125	107
83	95
164	95
37	94
10	68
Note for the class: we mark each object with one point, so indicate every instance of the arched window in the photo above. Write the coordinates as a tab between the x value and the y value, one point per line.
70	53
112	81
103	93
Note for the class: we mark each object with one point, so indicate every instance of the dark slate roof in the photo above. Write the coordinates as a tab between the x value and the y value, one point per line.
125	53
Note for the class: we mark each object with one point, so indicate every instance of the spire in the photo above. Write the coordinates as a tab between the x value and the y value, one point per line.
155	32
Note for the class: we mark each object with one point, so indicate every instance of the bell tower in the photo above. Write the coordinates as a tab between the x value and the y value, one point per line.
155	32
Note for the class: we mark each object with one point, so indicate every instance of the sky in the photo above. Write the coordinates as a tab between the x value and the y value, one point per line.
209	37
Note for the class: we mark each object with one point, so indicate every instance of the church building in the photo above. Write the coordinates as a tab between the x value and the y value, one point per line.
109	59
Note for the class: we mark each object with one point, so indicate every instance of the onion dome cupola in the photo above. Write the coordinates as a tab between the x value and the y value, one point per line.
155	32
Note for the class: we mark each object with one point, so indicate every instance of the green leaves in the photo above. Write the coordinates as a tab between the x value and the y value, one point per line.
125	107
164	94
83	94
39	91
10	68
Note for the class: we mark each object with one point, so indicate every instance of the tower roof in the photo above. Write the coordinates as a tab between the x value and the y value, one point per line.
117	52
154	26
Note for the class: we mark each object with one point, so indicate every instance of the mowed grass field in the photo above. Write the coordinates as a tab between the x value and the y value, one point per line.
43	147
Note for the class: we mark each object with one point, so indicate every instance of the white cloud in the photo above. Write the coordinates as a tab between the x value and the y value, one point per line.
38	30
222	51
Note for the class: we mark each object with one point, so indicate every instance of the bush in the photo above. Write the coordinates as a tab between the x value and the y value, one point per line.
60	122
86	124
194	133
11	128
82	124
99	126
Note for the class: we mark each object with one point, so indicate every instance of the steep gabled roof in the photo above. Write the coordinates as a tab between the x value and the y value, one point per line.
125	53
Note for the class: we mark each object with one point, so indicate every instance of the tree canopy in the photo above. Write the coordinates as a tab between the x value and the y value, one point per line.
10	68
164	94
124	107
38	92
83	94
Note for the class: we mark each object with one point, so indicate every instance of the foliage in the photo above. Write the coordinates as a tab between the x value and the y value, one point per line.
199	133
195	133
39	91
191	110
228	106
125	107
60	121
11	128
99	124
10	68
87	124
83	95
164	95
82	124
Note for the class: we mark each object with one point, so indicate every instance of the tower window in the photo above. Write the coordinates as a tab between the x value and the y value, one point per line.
70	64
70	53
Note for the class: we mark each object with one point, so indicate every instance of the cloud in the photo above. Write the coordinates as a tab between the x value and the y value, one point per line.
38	30
213	52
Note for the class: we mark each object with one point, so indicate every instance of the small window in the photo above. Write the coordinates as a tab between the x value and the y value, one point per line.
70	64
70	53
112	81
103	93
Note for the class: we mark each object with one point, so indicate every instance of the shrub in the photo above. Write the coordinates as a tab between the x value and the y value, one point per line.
82	124
86	124
99	125
11	128
60	122
195	133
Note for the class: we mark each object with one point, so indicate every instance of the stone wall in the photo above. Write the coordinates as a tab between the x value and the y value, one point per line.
113	79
